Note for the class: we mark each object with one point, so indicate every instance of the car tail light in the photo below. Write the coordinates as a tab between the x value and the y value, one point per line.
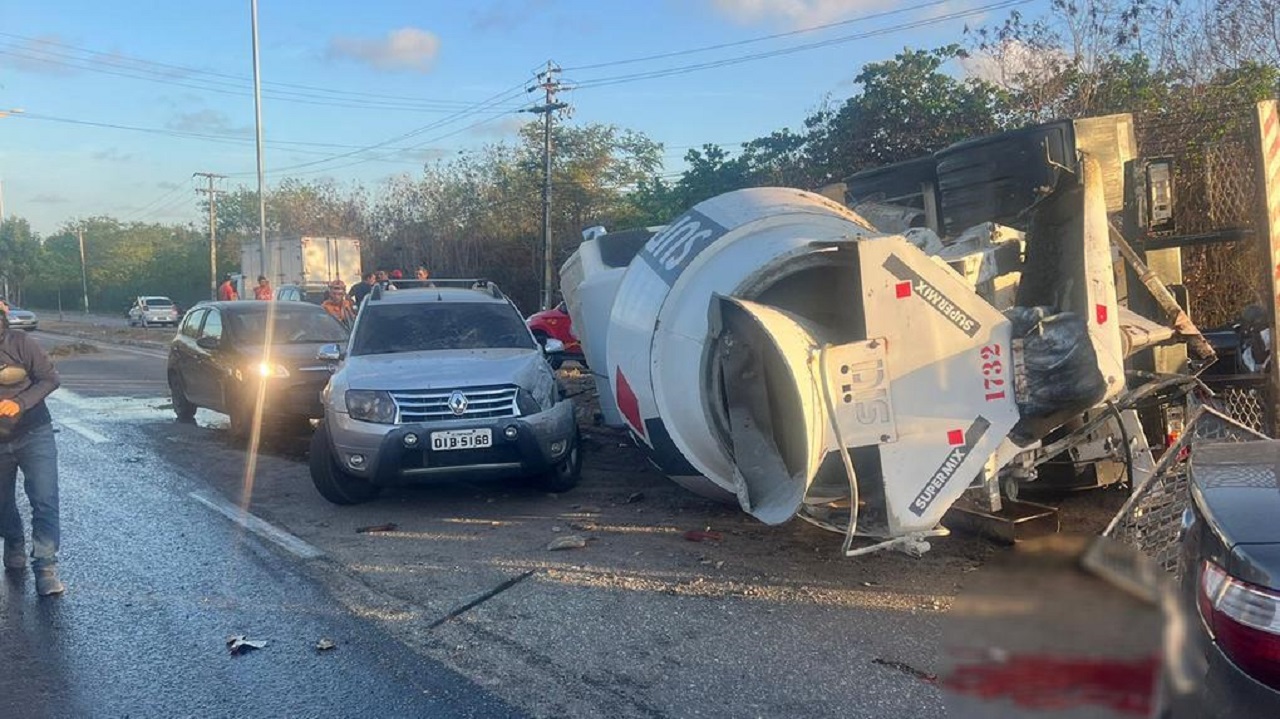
1244	620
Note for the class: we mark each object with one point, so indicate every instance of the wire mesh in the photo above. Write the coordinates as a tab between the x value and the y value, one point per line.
1244	400
1215	189
1151	517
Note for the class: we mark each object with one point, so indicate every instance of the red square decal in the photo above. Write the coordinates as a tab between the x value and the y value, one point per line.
955	437
1102	314
903	289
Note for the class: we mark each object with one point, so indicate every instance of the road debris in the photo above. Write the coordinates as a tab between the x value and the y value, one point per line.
372	529
586	509
906	669
571	541
240	644
635	497
703	535
325	644
74	348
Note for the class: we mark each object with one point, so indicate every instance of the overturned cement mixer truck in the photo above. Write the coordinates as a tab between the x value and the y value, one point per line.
774	348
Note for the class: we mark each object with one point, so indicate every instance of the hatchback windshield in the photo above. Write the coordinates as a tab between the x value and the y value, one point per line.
292	326
440	326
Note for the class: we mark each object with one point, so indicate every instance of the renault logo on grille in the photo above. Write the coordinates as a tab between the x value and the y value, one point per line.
458	403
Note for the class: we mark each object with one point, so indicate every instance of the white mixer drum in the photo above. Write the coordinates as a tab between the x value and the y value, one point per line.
767	245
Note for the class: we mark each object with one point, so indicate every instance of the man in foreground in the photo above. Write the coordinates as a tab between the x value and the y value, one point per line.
26	443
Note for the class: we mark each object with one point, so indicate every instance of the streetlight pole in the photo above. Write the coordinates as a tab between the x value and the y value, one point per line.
84	272
257	109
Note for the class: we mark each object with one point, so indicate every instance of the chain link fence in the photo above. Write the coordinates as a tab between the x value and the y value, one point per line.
1215	190
1151	517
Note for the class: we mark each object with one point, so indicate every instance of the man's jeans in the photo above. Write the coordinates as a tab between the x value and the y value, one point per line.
36	454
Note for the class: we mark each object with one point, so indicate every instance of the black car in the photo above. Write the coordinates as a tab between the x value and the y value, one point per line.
1231	580
216	361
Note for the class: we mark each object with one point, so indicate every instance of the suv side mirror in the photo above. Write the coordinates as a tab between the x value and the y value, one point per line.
553	346
330	353
207	343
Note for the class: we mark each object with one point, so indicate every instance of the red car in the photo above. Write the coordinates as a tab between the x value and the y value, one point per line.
557	324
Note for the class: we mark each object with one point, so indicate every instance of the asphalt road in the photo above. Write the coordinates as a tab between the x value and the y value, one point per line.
158	580
641	622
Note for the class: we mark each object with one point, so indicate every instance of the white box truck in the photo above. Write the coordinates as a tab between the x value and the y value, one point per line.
304	261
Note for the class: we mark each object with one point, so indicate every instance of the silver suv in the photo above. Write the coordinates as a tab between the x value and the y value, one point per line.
441	380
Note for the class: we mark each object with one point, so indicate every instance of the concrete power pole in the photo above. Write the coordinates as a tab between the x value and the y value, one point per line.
213	228
84	271
548	83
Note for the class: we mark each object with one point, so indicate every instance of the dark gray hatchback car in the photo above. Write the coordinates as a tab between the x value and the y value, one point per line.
1231	581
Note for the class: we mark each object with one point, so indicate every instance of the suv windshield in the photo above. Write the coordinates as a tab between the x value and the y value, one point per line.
391	328
293	326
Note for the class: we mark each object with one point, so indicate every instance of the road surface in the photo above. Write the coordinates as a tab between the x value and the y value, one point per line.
158	580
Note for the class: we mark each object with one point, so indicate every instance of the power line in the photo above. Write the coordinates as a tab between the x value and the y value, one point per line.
762	38
181	76
686	69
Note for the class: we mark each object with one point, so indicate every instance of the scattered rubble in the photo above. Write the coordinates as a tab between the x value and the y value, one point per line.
571	541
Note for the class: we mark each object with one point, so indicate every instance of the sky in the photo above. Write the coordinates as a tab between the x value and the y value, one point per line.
122	101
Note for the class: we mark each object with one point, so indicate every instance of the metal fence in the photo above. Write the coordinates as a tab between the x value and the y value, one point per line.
1150	519
1215	159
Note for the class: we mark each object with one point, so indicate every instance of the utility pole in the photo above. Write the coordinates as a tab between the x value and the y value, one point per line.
213	228
257	112
84	272
548	83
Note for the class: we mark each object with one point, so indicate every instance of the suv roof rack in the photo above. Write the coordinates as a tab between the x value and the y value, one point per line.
478	284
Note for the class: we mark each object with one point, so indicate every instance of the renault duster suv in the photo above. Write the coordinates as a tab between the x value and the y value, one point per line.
441	380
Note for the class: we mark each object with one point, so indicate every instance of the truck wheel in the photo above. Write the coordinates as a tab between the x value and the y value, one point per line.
565	475
334	484
182	406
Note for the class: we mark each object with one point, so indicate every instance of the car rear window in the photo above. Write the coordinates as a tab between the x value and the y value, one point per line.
389	328
293	325
158	302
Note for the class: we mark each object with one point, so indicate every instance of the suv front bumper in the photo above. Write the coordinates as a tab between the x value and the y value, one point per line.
542	440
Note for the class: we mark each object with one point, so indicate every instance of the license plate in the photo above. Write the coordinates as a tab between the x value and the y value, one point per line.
461	439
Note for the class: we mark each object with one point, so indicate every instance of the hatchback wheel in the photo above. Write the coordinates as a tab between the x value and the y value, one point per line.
330	480
182	406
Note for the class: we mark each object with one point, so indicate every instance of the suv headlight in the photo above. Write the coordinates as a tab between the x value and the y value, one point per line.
528	404
371	406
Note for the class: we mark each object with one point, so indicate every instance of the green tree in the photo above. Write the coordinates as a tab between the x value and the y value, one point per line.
907	107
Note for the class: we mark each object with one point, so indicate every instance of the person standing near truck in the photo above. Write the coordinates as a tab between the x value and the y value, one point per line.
263	290
27	443
338	305
227	291
361	289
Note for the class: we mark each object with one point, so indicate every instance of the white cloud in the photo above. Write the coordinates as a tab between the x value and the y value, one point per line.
1013	63
796	13
206	121
408	49
113	155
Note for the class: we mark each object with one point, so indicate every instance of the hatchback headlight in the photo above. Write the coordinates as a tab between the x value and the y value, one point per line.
371	406
270	369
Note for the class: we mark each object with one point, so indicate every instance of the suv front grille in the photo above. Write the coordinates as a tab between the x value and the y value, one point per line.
433	405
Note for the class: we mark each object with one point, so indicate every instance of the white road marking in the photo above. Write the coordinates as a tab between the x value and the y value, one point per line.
259	527
84	431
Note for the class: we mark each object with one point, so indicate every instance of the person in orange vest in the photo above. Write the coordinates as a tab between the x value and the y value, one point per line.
339	305
227	291
263	290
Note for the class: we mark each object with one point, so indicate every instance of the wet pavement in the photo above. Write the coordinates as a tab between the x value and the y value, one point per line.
157	582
